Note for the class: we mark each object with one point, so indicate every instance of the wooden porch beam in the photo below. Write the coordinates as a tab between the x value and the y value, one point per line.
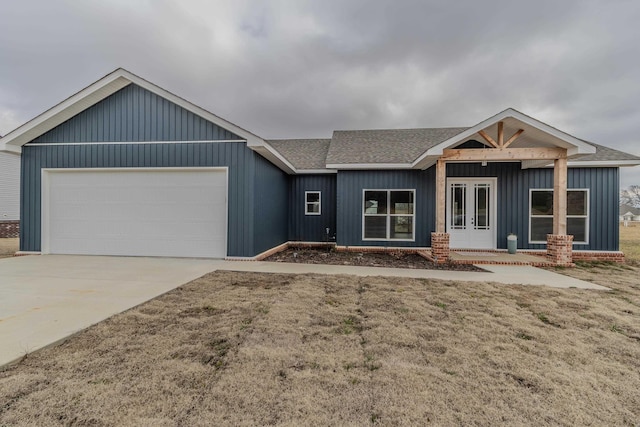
513	138
441	178
500	134
504	154
560	196
487	138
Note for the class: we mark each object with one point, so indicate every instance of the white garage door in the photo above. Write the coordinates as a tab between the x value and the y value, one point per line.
139	212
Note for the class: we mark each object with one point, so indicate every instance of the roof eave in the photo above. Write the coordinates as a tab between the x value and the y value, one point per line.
315	171
361	166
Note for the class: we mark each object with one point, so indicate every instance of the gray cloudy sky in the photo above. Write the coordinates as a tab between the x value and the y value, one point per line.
294	68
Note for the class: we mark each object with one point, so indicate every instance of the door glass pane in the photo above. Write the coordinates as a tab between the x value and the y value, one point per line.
402	202
375	202
458	208
401	227
482	219
375	227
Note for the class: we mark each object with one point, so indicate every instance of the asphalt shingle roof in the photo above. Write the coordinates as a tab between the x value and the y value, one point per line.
385	145
389	146
606	154
303	153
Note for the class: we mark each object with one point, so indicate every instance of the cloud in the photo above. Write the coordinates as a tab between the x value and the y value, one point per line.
288	68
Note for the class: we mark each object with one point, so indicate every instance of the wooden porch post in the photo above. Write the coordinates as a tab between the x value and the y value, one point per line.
559	244
440	239
441	178
560	196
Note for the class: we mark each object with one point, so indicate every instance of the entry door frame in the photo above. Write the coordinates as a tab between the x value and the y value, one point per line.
493	211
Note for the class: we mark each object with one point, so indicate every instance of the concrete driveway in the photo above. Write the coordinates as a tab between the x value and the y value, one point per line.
44	299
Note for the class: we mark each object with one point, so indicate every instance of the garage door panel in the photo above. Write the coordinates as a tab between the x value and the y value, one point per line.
136	212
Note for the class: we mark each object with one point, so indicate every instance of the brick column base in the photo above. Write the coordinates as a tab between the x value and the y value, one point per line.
440	247
559	249
9	229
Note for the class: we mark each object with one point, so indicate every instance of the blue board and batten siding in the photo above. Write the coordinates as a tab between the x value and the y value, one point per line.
312	228
350	198
144	120
513	184
270	199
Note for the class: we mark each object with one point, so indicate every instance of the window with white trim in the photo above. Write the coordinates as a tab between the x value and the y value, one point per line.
388	215
541	215
312	203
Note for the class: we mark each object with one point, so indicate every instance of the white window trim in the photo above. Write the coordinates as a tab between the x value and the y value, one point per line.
319	202
586	217
389	215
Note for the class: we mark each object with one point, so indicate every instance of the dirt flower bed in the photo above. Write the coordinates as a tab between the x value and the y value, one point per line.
398	259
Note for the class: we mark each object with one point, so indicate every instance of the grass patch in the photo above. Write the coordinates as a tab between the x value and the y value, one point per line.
269	350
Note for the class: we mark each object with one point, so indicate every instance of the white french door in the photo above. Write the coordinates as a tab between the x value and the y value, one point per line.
471	213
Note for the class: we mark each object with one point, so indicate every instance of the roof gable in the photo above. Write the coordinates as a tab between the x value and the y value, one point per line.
107	86
135	114
536	133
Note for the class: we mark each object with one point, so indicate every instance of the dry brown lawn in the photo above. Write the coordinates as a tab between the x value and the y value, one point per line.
630	242
257	349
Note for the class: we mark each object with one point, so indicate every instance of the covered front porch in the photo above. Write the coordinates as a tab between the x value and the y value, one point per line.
499	140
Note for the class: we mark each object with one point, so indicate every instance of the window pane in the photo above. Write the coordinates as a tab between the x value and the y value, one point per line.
313	197
375	227
402	202
576	203
542	203
313	208
540	227
578	228
402	227
375	202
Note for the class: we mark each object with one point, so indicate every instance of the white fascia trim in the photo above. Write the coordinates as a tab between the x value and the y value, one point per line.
274	157
251	138
347	166
315	171
604	163
581	147
63	111
45	144
580	164
105	87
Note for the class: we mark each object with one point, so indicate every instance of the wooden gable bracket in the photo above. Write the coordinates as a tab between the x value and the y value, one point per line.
500	143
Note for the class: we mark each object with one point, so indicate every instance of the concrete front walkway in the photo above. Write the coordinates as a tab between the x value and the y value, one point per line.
507	274
45	299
